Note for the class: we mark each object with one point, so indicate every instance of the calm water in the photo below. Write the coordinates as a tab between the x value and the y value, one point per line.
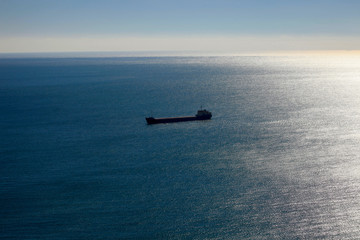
279	160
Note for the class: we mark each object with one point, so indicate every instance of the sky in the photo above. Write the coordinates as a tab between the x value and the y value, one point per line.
173	25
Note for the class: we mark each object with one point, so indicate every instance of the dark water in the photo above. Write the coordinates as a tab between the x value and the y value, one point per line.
279	160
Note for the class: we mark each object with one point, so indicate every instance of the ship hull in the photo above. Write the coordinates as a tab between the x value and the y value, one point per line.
151	120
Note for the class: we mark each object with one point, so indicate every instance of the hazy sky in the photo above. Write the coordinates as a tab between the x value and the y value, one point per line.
153	25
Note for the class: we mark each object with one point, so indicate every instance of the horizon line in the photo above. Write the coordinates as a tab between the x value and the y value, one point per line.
164	53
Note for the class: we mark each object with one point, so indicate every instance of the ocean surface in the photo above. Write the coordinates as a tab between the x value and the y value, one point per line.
280	159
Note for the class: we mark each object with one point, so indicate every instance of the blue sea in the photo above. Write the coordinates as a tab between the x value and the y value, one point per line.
280	158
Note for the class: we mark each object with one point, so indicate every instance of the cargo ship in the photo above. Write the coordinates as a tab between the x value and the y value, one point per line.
202	114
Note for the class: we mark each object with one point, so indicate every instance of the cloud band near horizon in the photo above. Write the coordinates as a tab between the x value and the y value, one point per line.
246	43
